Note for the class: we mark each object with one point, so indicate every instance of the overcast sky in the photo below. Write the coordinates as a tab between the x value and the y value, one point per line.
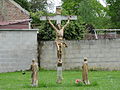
103	2
52	5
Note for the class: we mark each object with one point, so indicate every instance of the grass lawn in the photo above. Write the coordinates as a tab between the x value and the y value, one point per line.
100	80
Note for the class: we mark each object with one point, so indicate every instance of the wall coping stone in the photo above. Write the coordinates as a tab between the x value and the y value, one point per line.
19	29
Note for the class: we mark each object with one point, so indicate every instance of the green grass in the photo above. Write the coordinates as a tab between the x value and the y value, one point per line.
100	80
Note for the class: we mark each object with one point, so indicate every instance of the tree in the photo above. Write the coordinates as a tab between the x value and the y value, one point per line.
89	11
23	3
38	5
46	32
114	12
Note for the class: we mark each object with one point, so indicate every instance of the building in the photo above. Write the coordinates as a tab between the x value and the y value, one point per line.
13	16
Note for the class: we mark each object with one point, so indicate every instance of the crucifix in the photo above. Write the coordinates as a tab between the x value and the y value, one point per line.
59	29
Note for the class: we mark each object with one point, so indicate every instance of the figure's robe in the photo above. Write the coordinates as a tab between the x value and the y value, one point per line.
85	73
34	76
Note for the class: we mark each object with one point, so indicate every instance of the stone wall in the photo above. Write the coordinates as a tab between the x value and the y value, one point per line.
102	54
17	49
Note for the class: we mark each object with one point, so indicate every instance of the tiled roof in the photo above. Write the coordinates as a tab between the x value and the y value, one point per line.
17	5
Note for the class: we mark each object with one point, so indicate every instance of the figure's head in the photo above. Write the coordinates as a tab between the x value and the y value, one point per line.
33	60
85	58
59	26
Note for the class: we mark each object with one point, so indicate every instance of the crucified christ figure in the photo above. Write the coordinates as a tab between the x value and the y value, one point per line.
59	37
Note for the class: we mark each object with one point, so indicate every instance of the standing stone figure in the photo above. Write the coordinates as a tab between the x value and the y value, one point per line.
85	72
59	72
34	75
59	35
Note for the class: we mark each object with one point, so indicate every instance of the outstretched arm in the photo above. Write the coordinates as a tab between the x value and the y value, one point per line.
66	23
51	24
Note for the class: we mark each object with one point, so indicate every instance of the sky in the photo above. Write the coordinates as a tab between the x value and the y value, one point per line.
103	2
52	5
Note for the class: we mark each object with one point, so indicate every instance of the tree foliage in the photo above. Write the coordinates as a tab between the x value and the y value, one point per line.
74	30
114	12
89	11
23	3
38	5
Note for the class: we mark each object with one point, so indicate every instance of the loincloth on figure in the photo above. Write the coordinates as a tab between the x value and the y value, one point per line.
60	43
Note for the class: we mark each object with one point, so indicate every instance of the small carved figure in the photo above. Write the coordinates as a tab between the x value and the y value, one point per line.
85	72
34	75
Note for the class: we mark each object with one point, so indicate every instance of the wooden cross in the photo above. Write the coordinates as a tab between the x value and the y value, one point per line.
59	18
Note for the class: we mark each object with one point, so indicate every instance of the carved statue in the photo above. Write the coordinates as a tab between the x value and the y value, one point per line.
59	37
34	75
85	72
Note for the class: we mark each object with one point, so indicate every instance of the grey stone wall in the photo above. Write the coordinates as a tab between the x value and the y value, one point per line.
17	48
102	54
